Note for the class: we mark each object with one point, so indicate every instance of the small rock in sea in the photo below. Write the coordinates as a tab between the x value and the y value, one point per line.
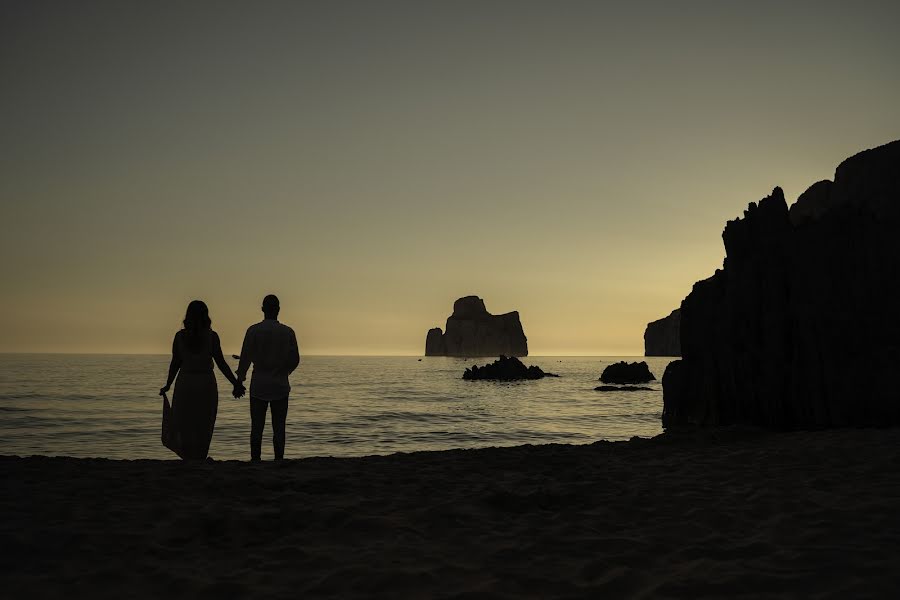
627	373
505	369
621	388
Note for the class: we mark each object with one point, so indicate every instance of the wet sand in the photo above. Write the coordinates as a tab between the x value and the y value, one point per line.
716	514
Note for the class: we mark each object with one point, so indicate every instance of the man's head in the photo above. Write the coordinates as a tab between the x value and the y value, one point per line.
271	306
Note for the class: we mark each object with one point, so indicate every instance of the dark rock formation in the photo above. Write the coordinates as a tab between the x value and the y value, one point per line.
506	369
473	331
627	373
792	330
663	337
434	343
621	388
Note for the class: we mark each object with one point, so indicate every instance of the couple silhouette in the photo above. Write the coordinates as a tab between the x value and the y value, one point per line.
269	346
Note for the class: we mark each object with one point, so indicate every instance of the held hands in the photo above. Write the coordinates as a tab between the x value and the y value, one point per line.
239	390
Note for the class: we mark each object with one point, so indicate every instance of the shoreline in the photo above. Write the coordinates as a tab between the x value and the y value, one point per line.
705	513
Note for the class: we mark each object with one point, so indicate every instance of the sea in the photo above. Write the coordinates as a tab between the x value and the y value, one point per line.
108	406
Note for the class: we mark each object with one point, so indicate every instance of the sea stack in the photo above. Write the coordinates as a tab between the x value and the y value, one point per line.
663	337
472	331
800	327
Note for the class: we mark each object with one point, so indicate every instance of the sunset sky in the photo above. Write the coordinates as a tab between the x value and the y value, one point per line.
370	162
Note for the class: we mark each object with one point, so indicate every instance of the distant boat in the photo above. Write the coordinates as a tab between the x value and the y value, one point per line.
235	357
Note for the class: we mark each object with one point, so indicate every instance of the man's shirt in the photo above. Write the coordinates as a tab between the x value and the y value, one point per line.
272	348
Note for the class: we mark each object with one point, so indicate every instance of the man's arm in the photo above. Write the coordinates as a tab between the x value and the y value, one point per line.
246	358
293	357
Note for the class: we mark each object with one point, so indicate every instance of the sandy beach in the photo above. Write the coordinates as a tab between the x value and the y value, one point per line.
713	514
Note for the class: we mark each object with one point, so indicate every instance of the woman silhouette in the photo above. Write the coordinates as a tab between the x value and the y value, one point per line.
196	398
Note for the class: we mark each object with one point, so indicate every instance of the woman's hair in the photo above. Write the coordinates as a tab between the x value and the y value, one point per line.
196	319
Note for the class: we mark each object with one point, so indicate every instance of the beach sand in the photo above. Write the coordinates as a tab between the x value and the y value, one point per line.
711	514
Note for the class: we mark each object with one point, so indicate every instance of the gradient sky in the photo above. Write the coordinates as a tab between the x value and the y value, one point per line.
370	162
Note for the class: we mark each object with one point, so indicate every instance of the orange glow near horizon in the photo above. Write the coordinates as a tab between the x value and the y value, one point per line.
371	163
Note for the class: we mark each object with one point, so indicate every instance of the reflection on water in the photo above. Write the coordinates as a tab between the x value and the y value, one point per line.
102	405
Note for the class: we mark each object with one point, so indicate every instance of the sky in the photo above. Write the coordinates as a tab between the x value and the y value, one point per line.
370	162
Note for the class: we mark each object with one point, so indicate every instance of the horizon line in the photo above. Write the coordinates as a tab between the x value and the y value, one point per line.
227	356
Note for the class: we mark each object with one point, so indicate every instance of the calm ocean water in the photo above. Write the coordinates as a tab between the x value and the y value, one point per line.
107	406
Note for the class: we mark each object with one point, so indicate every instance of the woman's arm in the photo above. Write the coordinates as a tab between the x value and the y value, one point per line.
174	366
220	360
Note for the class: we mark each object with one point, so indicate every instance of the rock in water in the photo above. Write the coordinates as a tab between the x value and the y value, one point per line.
627	373
663	337
506	369
434	343
792	330
473	331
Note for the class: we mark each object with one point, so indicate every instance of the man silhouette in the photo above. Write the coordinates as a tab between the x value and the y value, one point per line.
272	349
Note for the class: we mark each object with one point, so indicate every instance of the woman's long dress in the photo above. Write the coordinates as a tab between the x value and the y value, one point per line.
196	399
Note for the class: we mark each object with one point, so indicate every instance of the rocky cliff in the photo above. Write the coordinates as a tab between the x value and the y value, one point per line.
663	337
472	331
800	326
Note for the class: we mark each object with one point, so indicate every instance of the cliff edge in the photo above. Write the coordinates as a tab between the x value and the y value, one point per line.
663	337
800	327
